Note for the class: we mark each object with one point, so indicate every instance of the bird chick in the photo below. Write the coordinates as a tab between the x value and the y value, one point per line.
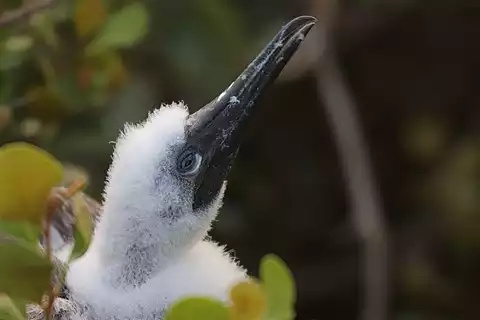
164	189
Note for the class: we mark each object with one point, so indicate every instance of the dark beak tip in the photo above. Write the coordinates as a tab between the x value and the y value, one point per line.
300	23
303	20
253	81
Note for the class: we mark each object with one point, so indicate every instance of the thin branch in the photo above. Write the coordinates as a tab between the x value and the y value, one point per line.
366	207
367	213
56	200
28	9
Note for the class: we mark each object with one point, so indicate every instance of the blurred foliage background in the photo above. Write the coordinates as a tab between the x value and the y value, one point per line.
74	72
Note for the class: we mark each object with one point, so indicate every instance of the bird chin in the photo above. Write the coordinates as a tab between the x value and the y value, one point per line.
211	210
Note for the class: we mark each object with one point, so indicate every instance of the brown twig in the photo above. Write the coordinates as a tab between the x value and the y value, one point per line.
28	9
367	214
54	202
76	186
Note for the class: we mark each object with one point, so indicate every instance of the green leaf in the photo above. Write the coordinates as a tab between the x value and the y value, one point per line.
18	44
21	306
14	50
83	226
279	286
122	29
24	271
44	26
197	308
11	59
9	309
21	229
80	245
27	174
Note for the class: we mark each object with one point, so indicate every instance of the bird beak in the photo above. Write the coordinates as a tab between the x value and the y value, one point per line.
216	130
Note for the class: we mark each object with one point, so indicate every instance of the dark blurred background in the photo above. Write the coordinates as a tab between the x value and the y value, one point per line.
410	67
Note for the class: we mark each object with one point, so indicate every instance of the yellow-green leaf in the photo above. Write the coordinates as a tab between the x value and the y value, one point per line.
27	174
122	29
18	44
90	15
9	310
279	286
24	271
248	301
197	308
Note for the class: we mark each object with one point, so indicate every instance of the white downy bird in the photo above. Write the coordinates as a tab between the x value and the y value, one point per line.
164	189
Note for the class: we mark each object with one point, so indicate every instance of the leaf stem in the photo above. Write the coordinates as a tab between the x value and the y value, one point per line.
55	200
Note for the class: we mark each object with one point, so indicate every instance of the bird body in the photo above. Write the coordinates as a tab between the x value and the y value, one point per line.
205	270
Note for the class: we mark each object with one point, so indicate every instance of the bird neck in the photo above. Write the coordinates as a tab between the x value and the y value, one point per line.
132	246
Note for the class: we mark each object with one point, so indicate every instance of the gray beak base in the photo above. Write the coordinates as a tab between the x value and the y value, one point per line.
216	130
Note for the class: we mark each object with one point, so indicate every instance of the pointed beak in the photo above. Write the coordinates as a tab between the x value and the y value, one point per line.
216	130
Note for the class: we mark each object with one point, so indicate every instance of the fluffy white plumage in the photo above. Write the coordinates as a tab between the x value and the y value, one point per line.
149	247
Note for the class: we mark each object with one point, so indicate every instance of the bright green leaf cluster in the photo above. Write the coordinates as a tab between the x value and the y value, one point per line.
76	74
28	176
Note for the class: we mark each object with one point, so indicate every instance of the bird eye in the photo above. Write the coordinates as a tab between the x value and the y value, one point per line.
189	163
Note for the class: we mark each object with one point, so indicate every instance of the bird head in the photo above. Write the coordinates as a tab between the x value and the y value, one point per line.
173	166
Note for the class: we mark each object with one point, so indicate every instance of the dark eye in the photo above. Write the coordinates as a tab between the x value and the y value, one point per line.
189	162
